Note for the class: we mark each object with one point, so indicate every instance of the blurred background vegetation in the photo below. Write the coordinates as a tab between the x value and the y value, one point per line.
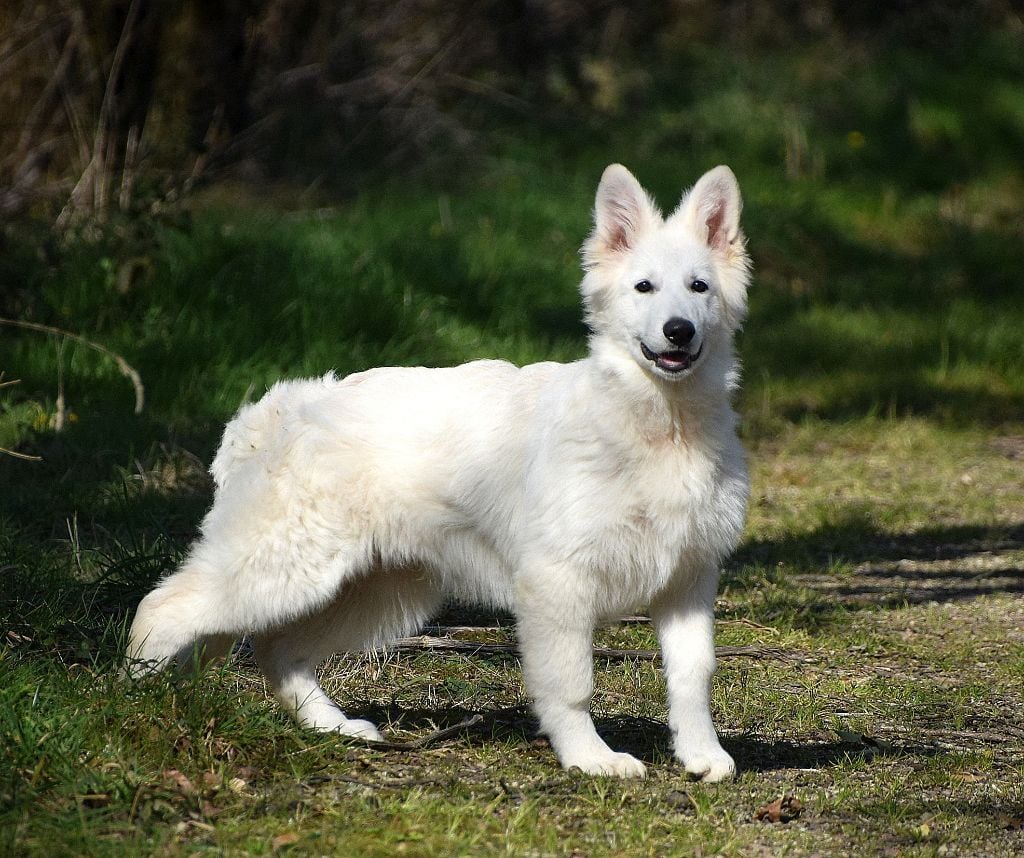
225	193
113	102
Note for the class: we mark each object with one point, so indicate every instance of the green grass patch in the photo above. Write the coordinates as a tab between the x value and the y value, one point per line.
878	587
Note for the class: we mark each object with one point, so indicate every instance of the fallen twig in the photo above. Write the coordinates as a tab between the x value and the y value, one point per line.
126	369
631	620
402	785
15	454
430	738
443	631
427	643
743	621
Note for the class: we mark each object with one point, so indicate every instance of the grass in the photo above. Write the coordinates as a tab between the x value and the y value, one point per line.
880	576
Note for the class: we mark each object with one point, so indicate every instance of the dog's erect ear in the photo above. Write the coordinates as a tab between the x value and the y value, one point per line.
712	209
621	211
711	212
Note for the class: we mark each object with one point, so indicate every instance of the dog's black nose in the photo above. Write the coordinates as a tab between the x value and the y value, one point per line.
679	331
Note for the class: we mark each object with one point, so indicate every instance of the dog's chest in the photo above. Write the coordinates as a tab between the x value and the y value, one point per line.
660	500
636	522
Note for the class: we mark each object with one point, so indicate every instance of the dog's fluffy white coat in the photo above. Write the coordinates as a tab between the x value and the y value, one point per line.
347	510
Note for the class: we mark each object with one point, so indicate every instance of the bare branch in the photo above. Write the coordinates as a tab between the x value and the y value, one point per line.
126	369
60	417
411	83
131	153
15	454
44	107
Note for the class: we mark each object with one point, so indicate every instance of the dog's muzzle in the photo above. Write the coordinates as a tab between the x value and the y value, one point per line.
676	360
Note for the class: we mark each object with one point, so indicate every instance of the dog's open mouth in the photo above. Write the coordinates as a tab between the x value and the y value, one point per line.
671	361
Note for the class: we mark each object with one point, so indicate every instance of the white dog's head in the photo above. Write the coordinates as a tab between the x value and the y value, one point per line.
666	289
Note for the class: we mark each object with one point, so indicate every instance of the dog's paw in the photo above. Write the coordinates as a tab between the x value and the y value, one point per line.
709	764
336	722
359	729
611	763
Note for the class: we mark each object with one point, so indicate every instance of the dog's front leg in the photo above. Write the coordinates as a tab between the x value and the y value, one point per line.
558	666
685	621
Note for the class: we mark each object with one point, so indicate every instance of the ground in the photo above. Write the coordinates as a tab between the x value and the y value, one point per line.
872	672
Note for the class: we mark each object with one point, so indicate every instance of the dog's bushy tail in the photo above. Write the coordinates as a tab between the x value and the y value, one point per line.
246	436
255	426
253	429
179	616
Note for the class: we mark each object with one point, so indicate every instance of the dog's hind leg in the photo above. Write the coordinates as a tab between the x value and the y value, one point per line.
368	613
290	669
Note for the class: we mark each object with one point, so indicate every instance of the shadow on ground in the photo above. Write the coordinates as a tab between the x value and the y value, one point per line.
647	739
939	564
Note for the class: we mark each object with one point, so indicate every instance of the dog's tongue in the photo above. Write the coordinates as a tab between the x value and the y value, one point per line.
674	360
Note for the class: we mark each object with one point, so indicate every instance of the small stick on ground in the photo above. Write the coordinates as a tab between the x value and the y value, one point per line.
426	643
430	738
399	785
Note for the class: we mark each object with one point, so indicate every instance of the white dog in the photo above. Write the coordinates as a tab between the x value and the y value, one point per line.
347	510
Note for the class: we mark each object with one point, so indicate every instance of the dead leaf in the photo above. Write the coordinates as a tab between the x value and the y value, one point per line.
784	809
283	840
180	780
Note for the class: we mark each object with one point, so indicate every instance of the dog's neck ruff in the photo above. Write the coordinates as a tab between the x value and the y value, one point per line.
674	410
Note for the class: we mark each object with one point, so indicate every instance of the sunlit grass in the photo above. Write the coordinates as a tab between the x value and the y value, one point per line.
879	574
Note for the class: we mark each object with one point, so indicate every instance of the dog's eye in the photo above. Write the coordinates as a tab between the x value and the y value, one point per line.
699	285
644	286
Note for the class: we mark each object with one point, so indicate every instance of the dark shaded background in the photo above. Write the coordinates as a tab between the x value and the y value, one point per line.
107	104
